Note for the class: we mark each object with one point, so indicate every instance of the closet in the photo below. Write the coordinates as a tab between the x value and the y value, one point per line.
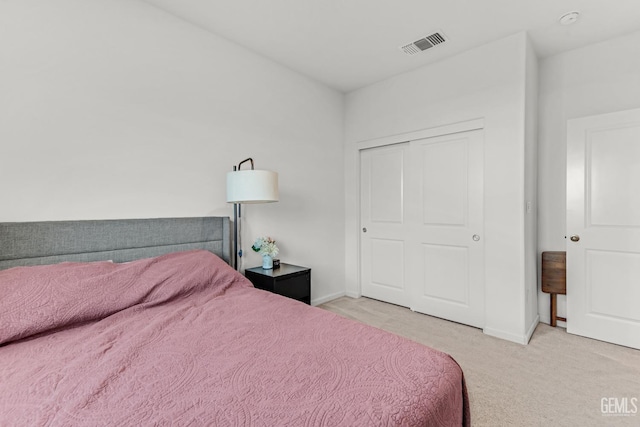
421	219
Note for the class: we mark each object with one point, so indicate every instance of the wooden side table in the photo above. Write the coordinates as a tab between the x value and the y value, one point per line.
554	279
289	280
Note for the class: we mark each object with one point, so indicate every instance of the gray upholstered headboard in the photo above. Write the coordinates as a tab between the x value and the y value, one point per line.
120	240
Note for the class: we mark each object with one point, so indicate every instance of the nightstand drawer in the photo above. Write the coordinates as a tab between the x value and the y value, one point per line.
289	280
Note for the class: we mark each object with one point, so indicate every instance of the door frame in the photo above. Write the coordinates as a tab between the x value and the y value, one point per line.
448	129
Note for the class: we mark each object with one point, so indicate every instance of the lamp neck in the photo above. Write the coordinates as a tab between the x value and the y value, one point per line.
245	161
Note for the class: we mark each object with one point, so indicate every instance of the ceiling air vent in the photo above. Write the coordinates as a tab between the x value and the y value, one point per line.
424	43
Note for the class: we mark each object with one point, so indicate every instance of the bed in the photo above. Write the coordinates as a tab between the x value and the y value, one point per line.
143	322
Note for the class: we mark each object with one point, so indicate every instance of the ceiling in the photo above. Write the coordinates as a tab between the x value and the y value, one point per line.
347	44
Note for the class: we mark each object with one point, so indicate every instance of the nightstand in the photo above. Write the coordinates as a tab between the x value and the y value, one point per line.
289	280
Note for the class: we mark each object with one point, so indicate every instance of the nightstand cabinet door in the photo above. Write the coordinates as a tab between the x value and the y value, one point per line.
296	287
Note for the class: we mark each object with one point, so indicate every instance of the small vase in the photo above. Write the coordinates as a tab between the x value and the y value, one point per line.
267	262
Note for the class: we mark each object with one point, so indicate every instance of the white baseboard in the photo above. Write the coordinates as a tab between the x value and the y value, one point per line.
520	339
561	324
509	336
532	329
327	298
353	294
547	319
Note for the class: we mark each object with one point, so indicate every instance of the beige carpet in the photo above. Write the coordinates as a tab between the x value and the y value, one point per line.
557	380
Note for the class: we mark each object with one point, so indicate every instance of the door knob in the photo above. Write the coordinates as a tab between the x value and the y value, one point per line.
475	237
364	229
575	238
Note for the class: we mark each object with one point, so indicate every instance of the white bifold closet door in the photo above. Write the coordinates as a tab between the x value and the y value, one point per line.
422	223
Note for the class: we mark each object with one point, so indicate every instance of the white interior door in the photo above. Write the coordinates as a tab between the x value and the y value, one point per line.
603	227
382	244
445	214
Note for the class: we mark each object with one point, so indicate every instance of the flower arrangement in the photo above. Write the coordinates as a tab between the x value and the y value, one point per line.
265	246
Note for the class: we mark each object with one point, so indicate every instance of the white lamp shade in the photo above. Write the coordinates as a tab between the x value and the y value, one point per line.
252	186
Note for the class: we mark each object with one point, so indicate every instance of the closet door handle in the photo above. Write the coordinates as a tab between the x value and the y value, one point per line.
364	229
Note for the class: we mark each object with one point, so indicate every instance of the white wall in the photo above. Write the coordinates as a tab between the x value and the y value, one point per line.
596	79
115	109
487	82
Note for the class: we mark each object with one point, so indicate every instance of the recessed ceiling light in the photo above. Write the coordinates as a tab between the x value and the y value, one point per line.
569	18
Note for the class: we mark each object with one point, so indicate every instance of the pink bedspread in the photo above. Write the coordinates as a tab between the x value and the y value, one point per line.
185	340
